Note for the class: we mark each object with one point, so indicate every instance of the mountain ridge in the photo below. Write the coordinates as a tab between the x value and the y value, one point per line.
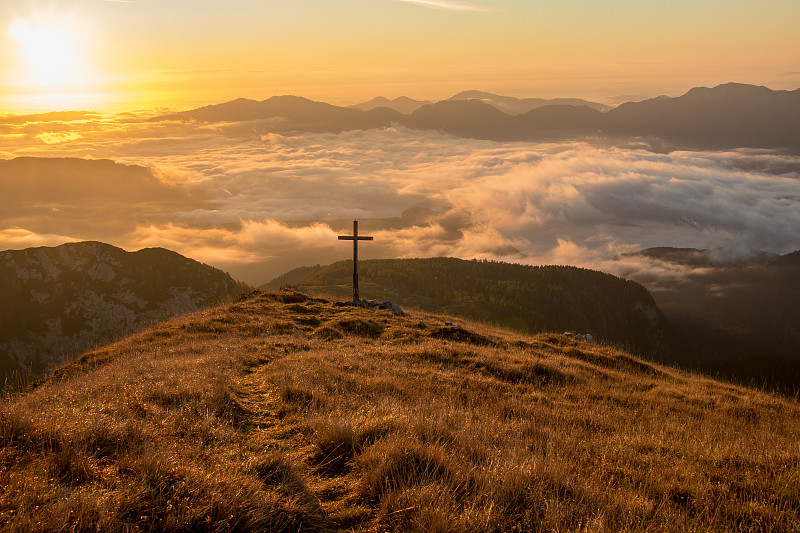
735	319
740	315
401	104
730	115
60	301
524	298
520	106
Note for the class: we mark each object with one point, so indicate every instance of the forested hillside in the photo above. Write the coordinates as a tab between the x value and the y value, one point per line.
740	319
524	298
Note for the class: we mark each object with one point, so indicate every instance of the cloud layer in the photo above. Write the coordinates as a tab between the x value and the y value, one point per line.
256	203
445	4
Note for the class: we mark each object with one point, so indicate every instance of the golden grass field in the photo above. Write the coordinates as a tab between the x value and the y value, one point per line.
284	413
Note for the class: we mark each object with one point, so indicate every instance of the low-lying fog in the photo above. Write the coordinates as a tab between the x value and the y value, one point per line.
257	204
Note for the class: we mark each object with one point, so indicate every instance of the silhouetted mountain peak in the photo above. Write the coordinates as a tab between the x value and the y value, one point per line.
451	108
720	95
378	101
234	110
732	115
473	95
465	118
290	99
401	104
384	114
728	115
518	106
290	106
404	99
741	90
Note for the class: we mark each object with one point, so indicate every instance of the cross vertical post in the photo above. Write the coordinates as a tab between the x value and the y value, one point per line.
355	238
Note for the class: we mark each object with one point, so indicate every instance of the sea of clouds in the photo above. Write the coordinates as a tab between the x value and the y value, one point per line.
259	203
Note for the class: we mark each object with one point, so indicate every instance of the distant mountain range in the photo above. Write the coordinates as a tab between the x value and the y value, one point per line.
59	302
403	104
730	115
727	116
520	106
506	104
292	113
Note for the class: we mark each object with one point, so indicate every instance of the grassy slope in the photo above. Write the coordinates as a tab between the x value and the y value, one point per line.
279	414
529	299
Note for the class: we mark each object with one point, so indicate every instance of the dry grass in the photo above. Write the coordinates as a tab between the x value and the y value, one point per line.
282	414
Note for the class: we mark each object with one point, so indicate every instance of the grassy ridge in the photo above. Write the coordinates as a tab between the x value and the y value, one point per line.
278	413
529	299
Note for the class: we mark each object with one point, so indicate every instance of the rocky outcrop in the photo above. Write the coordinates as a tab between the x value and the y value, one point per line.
59	302
374	304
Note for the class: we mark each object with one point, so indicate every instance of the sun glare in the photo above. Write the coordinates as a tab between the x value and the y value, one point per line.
51	54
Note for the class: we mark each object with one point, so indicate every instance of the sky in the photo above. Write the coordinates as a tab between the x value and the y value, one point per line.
138	54
241	197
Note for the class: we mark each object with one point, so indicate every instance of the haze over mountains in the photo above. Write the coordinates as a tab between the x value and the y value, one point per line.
74	196
258	204
519	106
740	315
727	116
507	104
402	104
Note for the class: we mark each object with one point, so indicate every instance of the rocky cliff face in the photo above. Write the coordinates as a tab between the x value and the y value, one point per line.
59	302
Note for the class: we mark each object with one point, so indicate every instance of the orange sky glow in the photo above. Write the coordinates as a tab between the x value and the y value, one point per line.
135	54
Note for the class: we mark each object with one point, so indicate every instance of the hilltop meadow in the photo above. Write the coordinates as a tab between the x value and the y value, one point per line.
528	299
283	412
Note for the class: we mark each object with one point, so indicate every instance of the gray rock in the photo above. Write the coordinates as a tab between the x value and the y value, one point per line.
373	304
59	302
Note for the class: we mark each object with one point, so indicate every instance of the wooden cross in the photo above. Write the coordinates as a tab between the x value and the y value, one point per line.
355	238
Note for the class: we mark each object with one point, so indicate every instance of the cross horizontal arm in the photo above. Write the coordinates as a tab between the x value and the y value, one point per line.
350	238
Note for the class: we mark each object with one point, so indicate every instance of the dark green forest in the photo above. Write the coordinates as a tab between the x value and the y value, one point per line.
748	334
519	297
